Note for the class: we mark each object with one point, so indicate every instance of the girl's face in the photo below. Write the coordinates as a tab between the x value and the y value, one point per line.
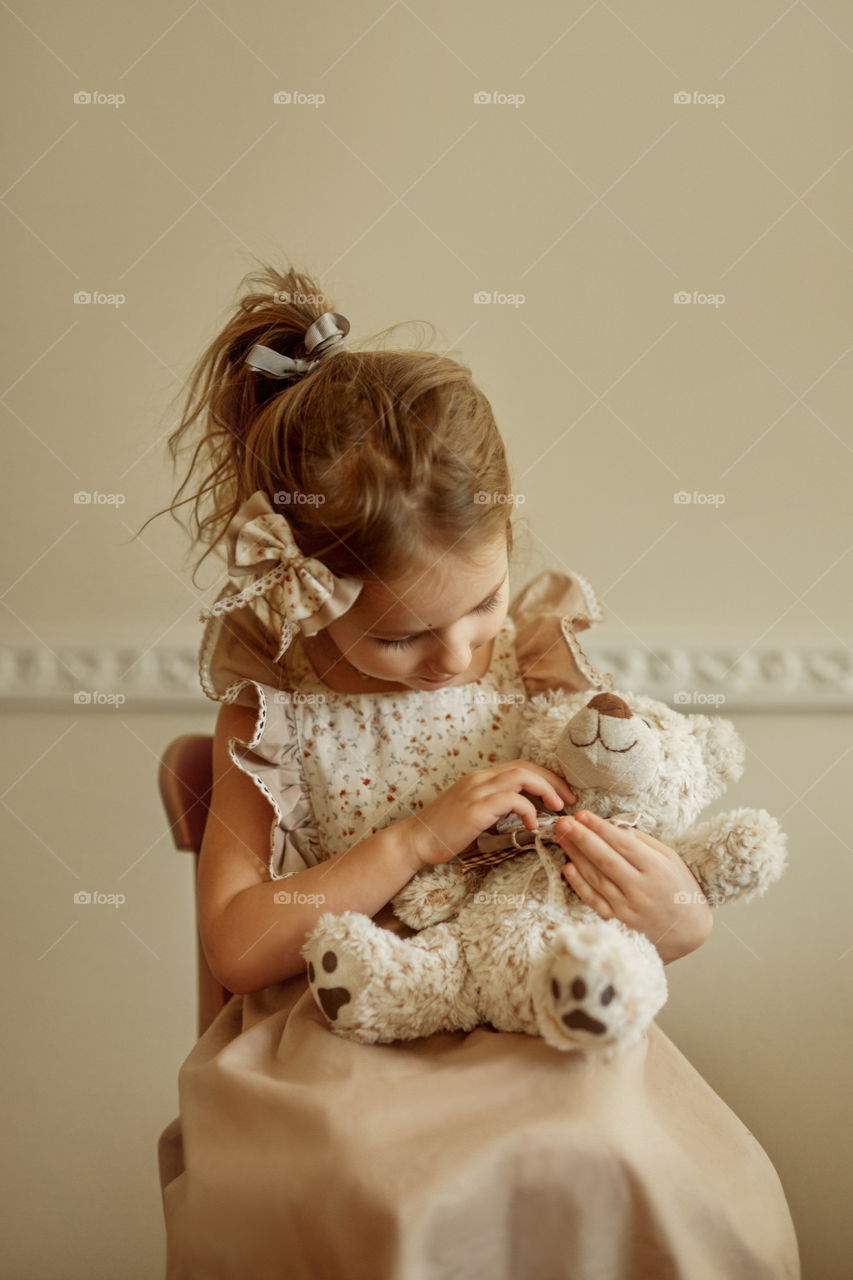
422	630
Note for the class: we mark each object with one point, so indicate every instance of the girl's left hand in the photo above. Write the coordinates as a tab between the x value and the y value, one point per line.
623	872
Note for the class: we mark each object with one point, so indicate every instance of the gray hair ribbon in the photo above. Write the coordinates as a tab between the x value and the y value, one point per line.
323	337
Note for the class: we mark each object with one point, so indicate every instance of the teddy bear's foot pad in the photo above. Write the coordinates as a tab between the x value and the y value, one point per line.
336	978
580	1006
330	999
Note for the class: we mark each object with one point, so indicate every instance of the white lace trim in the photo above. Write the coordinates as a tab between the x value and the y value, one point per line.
591	600
597	679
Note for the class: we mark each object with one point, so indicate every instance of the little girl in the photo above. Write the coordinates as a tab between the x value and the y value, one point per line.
370	662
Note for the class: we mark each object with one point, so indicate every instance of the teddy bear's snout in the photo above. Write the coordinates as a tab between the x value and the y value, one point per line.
610	704
605	745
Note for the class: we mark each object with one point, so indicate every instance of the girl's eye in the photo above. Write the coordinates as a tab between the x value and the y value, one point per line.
486	607
398	644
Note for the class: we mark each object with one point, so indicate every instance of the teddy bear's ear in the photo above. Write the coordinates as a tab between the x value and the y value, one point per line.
722	748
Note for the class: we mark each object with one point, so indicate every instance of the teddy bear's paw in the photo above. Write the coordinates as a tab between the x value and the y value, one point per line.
347	976
597	993
335	975
584	1008
433	895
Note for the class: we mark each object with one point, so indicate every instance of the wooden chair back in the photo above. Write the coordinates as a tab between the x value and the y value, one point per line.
185	779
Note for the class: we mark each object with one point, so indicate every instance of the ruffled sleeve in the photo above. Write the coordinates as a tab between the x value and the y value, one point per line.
548	613
235	665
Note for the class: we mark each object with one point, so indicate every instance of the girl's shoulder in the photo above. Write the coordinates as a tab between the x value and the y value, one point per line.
547	613
237	650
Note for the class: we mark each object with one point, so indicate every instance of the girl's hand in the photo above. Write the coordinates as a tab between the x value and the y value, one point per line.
452	822
622	872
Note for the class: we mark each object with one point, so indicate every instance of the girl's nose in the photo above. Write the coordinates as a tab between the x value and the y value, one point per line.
452	662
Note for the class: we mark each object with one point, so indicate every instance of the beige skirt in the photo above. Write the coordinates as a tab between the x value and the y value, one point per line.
298	1155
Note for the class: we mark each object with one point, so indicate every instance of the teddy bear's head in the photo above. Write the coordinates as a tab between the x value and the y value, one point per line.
627	753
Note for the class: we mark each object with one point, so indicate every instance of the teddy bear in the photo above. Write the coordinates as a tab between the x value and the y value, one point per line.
503	939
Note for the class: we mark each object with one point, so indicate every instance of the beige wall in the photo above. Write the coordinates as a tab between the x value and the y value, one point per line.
597	198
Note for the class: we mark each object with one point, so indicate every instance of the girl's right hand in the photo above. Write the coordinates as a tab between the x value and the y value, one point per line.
452	821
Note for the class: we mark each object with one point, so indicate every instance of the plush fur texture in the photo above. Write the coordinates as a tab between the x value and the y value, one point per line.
514	946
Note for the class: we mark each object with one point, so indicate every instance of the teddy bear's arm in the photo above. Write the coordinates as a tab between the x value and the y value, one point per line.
735	855
434	894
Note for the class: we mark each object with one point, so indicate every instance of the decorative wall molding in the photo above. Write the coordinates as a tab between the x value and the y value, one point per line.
85	678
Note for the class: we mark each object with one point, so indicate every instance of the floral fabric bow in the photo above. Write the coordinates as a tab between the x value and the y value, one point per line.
308	595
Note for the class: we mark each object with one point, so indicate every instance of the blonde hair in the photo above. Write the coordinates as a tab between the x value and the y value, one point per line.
377	457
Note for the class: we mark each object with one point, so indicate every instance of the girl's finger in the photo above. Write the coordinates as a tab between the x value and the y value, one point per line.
538	780
585	891
603	837
511	802
605	855
594	876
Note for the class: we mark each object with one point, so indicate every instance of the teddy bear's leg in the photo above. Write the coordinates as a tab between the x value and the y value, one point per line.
597	986
375	986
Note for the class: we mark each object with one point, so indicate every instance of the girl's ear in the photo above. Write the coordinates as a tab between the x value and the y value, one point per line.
722	749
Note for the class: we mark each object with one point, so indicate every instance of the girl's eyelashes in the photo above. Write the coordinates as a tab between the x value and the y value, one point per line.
486	607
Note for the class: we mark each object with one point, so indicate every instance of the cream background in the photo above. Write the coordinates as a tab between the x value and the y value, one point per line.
597	198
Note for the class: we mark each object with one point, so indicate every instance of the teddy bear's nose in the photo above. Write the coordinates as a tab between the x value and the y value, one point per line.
610	704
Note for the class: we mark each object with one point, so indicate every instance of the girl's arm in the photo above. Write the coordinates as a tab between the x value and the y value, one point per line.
630	875
250	939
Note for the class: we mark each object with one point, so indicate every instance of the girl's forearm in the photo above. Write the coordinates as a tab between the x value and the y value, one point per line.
262	928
